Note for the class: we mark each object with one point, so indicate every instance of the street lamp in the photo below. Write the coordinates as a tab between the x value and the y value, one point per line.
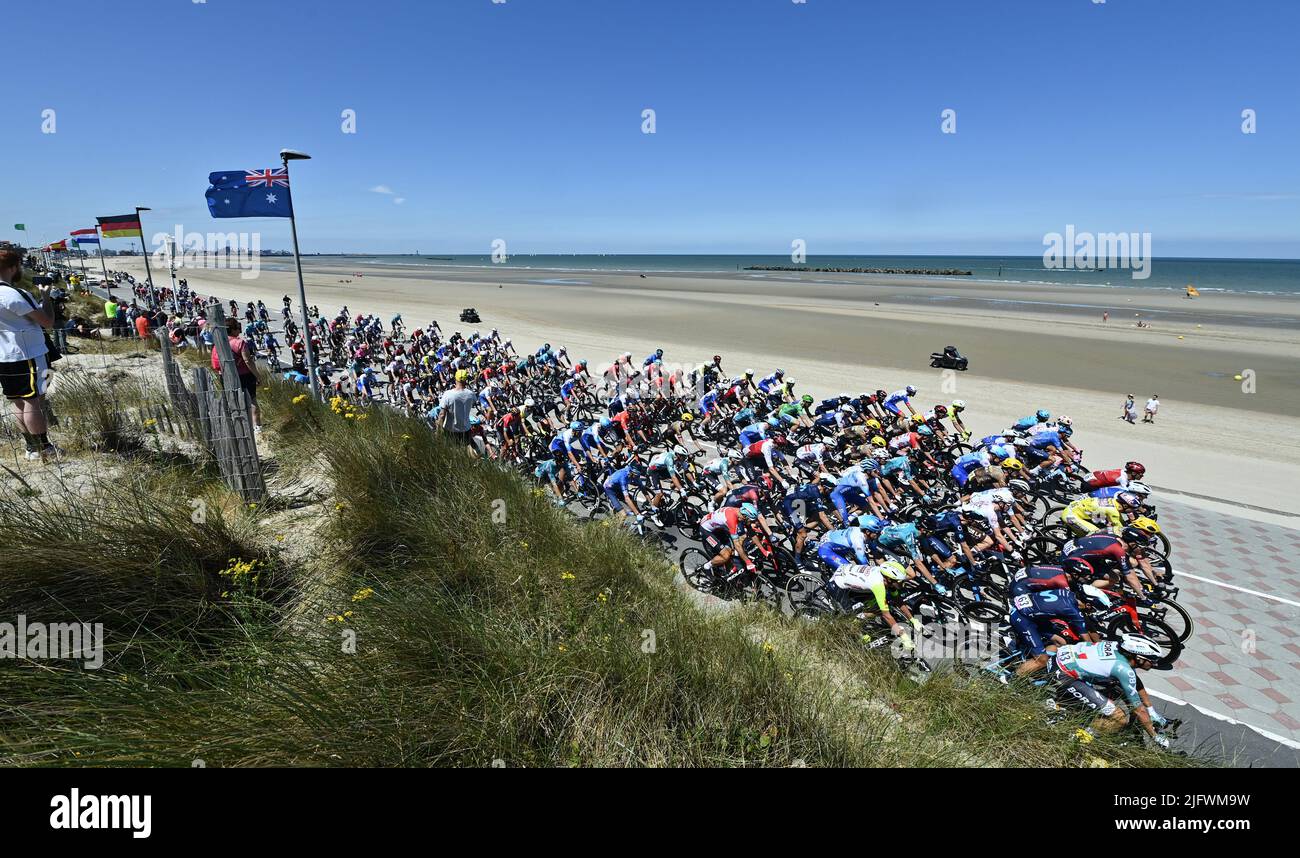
287	155
153	294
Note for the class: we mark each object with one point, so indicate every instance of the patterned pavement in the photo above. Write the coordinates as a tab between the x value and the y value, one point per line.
1243	659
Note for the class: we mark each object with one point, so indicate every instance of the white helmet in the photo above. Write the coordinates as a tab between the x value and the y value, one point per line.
1064	421
959	404
1141	646
1139	489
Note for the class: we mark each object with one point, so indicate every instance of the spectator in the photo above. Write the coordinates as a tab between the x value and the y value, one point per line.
1130	409
23	365
243	364
142	326
456	405
1153	405
110	313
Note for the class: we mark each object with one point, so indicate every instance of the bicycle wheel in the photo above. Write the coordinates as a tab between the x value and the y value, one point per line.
1157	630
1042	549
1173	615
808	597
689	512
694	564
1165	547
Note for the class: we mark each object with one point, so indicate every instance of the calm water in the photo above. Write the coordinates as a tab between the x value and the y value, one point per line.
1267	276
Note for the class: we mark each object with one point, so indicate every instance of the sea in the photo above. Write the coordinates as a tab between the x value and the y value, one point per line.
1259	276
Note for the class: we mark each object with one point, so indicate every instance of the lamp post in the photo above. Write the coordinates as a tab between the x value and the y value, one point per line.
287	155
153	294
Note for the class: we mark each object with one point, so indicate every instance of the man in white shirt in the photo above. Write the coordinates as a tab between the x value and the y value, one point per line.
22	352
1153	405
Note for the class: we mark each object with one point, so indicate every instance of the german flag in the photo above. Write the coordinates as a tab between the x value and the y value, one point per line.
121	226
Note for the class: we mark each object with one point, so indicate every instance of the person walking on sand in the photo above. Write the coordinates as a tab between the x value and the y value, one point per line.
1153	405
1129	411
1105	315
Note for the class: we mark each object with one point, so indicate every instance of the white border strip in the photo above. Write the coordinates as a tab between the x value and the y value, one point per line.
1281	740
1270	596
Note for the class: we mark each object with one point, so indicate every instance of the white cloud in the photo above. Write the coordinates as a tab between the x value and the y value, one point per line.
399	200
382	189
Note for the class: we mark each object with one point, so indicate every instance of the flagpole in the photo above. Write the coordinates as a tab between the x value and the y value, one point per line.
285	156
153	293
100	233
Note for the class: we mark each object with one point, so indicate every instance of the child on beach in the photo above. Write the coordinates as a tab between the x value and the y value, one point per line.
1130	411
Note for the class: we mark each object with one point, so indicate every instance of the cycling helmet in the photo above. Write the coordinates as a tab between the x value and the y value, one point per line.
1064	421
868	466
1135	535
1019	486
924	430
806	399
911	391
998	451
872	523
1043	415
959	405
878	441
635	465
873	423
780	440
1140	646
605	423
893	570
1128	500
625	354
748	511
940	411
748	373
474	420
717	359
918	418
1012	464
1135	470
882	394
779	373
1065	431
789	382
1139	489
881	454
687	417
659	352
1146	525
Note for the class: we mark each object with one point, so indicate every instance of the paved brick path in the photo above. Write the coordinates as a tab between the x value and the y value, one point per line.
1244	658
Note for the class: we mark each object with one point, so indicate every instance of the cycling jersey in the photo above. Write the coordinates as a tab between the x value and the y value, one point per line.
665	462
1088	514
806	498
811	453
1030	613
857	578
726	518
895	401
1038	578
1099	663
1105	552
764	449
843	546
901	539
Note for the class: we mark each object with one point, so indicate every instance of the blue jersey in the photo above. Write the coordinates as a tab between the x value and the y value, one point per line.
1045	439
1048	604
846	542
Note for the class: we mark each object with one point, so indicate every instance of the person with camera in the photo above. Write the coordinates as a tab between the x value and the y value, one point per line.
23	350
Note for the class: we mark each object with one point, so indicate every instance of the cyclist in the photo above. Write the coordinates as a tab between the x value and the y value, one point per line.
721	534
854	578
1081	667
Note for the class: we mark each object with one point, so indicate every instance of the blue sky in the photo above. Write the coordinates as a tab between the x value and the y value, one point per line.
774	121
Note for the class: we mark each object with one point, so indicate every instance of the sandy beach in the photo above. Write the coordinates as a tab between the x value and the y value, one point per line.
1030	347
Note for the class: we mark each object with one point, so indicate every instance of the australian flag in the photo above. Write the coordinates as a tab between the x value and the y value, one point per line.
250	193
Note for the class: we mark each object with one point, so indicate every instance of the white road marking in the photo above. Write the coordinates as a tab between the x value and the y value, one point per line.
1274	737
1270	596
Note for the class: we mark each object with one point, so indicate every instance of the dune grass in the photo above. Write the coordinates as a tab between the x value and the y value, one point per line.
441	611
